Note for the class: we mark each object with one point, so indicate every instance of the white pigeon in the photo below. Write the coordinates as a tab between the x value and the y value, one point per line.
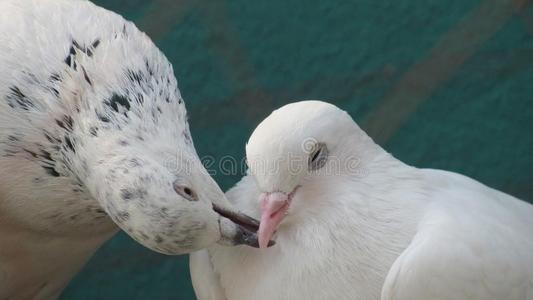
353	222
93	134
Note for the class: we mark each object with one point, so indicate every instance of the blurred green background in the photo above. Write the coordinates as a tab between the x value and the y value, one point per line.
440	84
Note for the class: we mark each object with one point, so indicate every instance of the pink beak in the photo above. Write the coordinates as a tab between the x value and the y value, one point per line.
273	209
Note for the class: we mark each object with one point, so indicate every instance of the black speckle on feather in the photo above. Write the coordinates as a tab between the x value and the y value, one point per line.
16	98
102	118
55	77
51	138
148	67
46	156
54	91
126	194
95	43
86	76
72	52
70	58
123	216
33	154
13	138
93	131
66	122
136	77
69	145
117	100
51	171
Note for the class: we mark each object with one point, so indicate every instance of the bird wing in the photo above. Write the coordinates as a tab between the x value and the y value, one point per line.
463	255
205	281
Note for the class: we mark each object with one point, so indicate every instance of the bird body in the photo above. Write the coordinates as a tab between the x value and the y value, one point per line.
93	137
365	225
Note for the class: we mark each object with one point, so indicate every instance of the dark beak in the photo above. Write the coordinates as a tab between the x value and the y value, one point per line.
247	227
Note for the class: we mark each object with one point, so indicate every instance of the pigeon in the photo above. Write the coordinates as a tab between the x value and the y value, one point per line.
350	221
94	138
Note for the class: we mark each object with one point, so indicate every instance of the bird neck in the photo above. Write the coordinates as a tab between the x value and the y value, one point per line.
32	261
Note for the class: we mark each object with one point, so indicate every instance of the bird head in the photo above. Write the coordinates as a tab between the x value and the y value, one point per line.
294	152
131	148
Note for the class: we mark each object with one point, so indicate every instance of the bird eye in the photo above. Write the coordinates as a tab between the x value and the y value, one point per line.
185	191
319	157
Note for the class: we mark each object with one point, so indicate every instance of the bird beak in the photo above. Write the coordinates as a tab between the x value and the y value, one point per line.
274	207
237	228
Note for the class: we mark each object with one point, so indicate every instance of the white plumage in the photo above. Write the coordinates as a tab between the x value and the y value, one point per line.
364	225
93	134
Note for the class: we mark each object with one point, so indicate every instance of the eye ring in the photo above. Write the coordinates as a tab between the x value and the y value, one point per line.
318	157
185	191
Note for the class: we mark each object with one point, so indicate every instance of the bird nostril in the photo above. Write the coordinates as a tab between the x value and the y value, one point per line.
185	191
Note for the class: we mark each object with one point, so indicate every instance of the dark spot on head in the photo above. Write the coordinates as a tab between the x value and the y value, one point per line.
86	76
123	143
123	216
140	98
33	154
148	67
93	131
46	155
117	100
135	77
75	44
143	235
51	171
70	57
69	144
96	43
102	118
12	138
48	137
126	194
55	77
54	91
73	217
92	47
16	97
135	162
66	122
159	239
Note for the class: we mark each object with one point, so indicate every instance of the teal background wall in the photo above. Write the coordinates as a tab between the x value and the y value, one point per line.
440	84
